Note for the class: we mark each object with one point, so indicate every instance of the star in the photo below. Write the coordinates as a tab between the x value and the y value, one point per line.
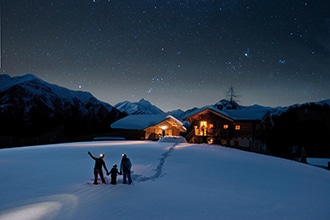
125	50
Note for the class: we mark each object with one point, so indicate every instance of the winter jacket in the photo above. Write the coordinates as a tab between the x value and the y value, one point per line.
125	165
114	171
99	162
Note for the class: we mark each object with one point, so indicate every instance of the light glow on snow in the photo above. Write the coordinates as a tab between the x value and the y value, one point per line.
35	211
48	208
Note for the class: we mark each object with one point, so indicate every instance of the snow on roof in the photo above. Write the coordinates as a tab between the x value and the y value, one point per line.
247	114
235	114
140	122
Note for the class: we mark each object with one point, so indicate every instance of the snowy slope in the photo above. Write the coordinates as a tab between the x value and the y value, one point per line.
171	181
53	96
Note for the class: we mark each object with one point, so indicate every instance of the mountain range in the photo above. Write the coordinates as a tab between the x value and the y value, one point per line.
30	106
145	107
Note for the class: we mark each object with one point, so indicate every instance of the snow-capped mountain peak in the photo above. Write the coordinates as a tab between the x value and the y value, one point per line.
27	101
138	108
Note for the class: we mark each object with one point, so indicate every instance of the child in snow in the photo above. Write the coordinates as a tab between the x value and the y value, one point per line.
114	171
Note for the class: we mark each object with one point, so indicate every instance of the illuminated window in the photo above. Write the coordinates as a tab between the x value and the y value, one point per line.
225	126
203	128
237	127
203	124
196	130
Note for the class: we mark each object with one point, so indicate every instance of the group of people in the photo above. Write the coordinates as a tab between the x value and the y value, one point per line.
125	169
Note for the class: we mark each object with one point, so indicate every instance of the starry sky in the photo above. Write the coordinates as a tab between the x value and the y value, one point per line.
173	53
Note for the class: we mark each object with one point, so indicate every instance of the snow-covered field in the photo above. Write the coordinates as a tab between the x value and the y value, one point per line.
320	162
170	181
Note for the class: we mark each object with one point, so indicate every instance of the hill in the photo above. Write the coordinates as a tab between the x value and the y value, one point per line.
170	181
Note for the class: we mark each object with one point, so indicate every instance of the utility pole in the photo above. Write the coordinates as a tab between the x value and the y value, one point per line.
231	95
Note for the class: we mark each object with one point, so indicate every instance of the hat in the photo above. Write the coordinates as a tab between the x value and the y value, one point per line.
114	165
102	155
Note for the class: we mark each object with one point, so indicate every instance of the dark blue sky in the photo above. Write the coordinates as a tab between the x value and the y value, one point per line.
175	54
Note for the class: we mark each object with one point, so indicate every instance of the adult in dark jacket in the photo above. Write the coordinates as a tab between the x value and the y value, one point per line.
99	162
125	168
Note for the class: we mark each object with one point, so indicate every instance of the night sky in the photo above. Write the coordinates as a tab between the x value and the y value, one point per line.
175	54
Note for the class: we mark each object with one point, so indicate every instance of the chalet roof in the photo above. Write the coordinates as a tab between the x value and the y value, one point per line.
141	122
235	114
247	115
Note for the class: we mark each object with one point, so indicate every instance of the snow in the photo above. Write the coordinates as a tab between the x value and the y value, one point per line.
321	162
140	122
50	94
170	181
173	139
137	108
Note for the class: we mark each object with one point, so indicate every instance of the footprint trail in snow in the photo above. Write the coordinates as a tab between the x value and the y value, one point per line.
159	168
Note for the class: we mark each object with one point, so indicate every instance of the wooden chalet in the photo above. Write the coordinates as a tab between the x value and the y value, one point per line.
148	127
236	128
